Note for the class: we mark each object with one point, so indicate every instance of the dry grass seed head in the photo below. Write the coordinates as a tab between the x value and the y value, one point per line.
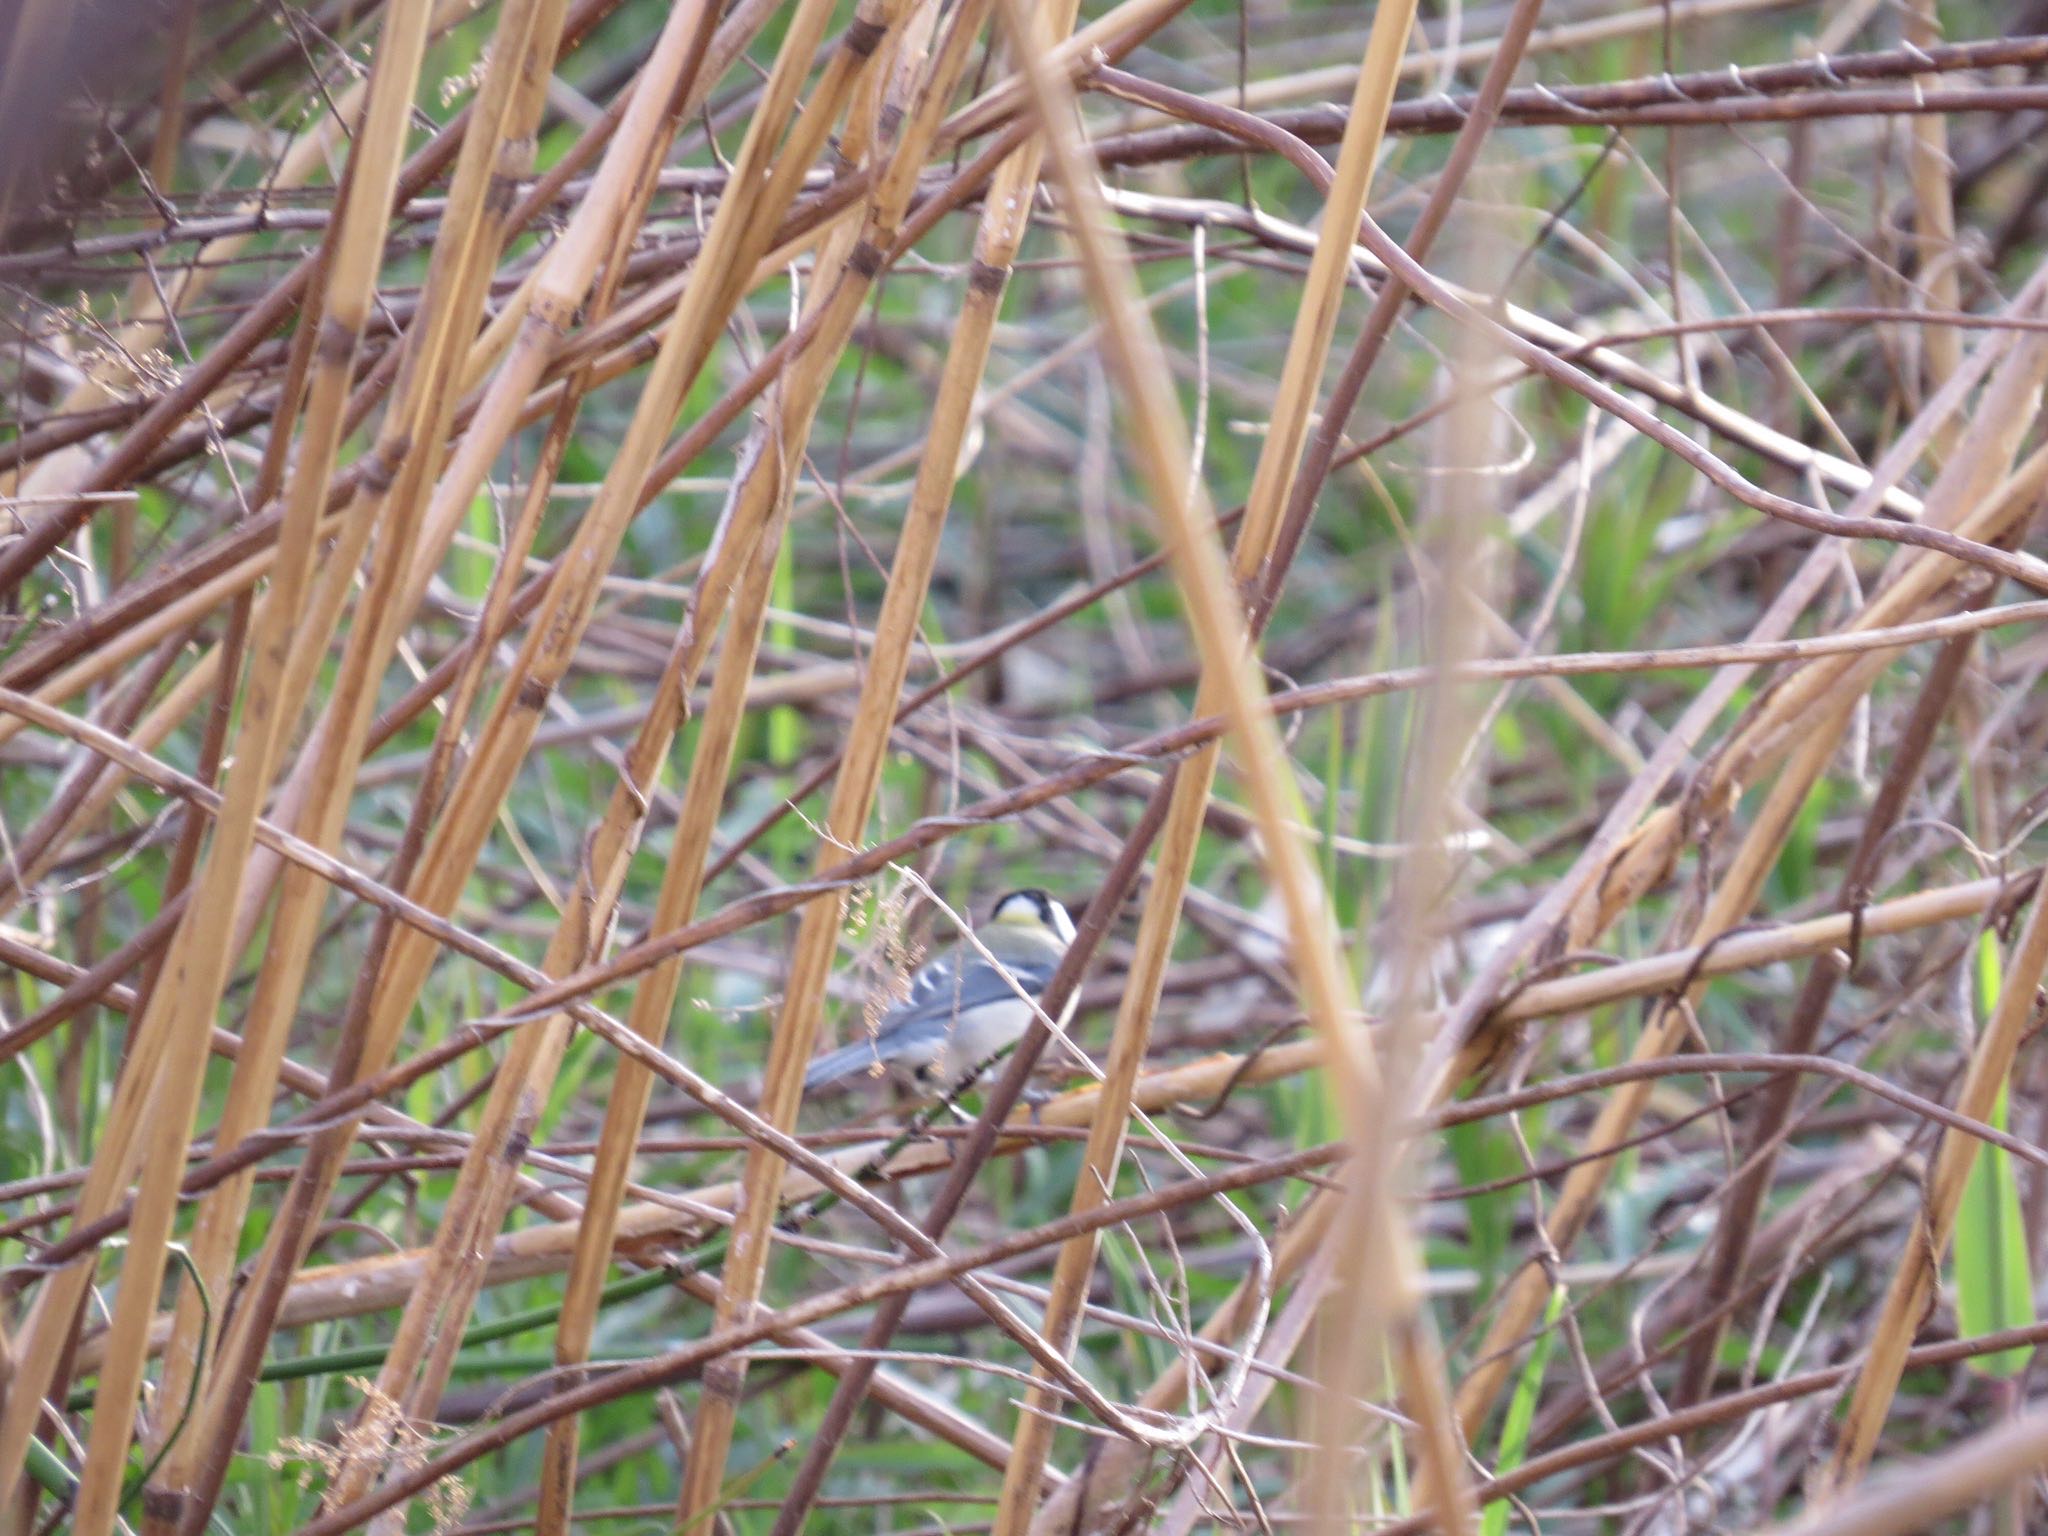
381	1433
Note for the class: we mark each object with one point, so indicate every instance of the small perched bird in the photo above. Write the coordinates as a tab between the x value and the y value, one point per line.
961	1010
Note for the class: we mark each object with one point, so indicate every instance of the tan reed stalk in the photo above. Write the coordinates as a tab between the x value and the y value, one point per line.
1938	260
1203	577
1374	1321
416	1366
665	87
760	499
1308	347
457	698
1423	873
1807	711
558	627
1911	1291
105	660
180	912
401	463
632	1084
670	84
102	658
796	1026
160	1083
644	137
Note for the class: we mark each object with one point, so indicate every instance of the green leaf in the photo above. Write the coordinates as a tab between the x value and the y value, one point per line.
1993	1278
1514	1432
785	723
1484	1153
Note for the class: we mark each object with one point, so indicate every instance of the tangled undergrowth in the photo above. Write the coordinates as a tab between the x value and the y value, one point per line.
554	552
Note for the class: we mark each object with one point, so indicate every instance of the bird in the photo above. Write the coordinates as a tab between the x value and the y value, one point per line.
961	1010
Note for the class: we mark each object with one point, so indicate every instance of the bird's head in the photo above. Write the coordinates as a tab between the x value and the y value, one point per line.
1033	908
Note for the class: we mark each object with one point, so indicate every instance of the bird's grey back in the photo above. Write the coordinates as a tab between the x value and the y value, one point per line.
938	995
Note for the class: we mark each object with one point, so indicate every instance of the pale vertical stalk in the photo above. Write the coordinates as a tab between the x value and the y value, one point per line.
653	1001
846	816
467	248
760	501
1938	262
509	314
160	1085
396	475
1375	1296
551	642
417	1363
570	262
558	625
1308	348
1217	621
457	698
561	286
1315	320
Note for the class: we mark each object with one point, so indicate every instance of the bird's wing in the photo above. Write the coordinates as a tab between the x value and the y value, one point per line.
931	982
941	993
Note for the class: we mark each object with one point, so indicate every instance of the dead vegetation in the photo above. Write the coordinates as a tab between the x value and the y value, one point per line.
551	551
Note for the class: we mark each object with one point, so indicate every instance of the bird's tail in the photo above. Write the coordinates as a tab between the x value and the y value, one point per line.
834	1066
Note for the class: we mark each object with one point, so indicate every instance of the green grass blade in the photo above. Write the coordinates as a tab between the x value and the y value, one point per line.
1514	1432
1993	1277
